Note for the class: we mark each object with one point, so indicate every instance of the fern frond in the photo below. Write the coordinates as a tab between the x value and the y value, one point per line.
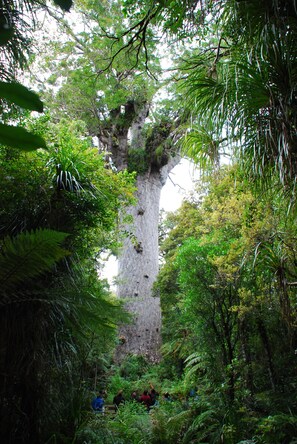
29	255
202	427
194	358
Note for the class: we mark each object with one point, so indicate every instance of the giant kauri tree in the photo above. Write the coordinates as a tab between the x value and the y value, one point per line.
110	84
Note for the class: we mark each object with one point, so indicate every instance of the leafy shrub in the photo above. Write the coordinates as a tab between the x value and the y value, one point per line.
132	424
170	420
280	428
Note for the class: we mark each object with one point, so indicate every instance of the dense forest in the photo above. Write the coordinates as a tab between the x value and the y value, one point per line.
99	101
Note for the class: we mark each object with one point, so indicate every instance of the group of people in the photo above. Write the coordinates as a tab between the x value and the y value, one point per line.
149	398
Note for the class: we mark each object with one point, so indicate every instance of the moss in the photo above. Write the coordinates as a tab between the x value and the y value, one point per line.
138	161
156	153
159	151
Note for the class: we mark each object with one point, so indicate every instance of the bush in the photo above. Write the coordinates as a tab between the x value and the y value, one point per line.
132	424
280	428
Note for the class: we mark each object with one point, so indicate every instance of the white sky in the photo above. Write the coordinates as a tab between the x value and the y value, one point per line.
180	182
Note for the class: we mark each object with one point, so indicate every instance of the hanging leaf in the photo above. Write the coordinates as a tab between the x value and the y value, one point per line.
64	4
18	137
21	96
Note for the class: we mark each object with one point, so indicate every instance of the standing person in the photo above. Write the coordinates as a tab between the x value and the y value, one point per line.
118	399
134	396
98	403
153	395
145	399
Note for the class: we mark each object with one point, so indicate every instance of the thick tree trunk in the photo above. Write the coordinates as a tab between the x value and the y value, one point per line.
138	269
138	260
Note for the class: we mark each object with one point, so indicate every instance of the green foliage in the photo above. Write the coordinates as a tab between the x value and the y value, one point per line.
70	182
182	19
228	288
170	420
14	46
18	137
133	367
83	94
205	427
115	383
131	424
52	294
222	295
277	428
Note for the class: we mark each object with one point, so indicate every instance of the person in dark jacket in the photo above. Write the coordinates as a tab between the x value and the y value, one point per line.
118	399
153	395
134	396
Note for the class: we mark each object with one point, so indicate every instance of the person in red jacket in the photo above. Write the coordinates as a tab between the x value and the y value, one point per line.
145	399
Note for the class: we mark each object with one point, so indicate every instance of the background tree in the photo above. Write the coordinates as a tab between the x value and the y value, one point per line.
224	305
238	71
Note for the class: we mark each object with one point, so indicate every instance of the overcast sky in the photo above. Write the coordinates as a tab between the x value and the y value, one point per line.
180	182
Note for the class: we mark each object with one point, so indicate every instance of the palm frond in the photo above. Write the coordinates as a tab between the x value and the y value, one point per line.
203	146
246	90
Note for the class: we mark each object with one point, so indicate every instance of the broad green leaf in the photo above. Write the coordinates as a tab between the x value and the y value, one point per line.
17	137
21	96
64	4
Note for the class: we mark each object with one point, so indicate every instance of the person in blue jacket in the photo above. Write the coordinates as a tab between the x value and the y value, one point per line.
98	403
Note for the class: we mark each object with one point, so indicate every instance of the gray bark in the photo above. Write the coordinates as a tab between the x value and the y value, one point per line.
138	270
136	130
